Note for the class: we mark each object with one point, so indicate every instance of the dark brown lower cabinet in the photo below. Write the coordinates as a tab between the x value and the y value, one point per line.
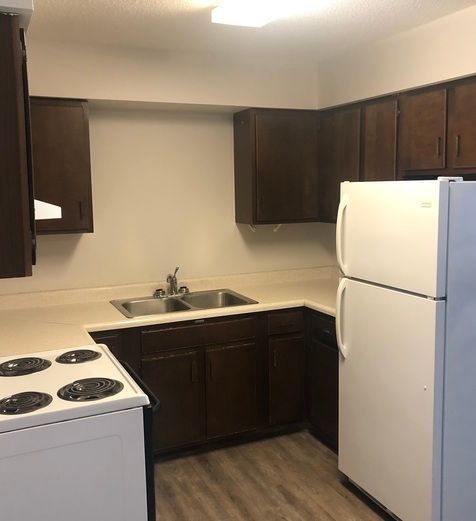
123	343
286	379
323	379
176	378
222	377
232	389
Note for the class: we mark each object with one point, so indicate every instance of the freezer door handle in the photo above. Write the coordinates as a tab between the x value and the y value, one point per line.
339	233
339	321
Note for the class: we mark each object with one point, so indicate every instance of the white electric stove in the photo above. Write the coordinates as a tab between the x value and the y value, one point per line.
75	442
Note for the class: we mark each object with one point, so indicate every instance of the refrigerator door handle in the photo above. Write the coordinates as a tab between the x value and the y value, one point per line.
339	235
339	322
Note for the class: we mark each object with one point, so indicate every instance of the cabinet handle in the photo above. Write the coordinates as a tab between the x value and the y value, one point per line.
458	143
275	358
438	146
194	375
81	212
210	372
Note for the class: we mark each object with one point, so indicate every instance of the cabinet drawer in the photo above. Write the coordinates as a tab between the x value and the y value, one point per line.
322	329
287	321
197	334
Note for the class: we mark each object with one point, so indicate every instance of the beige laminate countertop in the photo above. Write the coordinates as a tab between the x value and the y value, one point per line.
65	325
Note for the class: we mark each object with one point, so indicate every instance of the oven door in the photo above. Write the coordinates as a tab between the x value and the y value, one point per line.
89	468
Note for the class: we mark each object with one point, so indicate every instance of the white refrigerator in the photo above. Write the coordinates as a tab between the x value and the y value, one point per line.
406	329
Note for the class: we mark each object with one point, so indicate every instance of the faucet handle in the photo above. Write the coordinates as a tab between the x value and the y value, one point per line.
176	269
159	293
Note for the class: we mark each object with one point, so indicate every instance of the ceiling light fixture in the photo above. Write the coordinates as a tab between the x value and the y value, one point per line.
247	13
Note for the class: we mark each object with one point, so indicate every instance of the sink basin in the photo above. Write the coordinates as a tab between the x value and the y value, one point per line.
149	306
220	298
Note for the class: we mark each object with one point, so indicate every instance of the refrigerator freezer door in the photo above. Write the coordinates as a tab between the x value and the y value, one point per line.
395	234
390	393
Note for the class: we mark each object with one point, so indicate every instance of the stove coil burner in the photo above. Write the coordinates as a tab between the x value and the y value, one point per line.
22	403
78	357
23	366
90	389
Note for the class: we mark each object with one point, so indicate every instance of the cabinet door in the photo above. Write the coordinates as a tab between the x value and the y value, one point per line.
286	379
176	378
286	166
422	131
124	345
323	367
339	151
16	198
462	126
232	389
379	141
60	135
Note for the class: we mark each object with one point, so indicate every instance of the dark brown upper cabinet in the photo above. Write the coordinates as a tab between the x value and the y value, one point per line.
61	158
379	141
339	155
275	166
422	130
17	235
462	126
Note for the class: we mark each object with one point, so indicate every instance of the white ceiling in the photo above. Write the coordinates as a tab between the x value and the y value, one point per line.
184	25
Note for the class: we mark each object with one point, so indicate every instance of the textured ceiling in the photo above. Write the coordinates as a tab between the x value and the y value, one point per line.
331	27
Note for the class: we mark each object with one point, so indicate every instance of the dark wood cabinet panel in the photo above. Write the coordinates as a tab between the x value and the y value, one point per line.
232	383
176	378
275	166
323	378
123	343
379	141
422	130
462	126
285	321
61	156
16	197
339	152
200	332
286	379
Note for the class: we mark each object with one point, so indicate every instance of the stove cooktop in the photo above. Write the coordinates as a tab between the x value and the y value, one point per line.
52	386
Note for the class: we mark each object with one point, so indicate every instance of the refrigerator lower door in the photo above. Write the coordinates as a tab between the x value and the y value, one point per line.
390	394
395	234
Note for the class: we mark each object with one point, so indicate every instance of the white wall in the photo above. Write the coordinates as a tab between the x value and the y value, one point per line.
437	51
139	75
163	196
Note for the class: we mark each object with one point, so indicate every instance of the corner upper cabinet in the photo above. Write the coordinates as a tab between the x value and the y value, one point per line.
275	166
462	125
17	230
422	130
339	156
61	158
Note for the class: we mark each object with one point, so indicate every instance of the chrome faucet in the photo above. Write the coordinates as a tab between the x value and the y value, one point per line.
172	282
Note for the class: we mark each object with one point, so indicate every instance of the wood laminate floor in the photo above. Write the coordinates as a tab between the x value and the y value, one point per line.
286	478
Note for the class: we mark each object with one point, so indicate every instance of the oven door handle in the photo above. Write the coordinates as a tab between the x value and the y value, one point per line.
154	401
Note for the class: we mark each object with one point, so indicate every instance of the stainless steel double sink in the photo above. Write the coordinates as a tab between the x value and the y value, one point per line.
218	298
